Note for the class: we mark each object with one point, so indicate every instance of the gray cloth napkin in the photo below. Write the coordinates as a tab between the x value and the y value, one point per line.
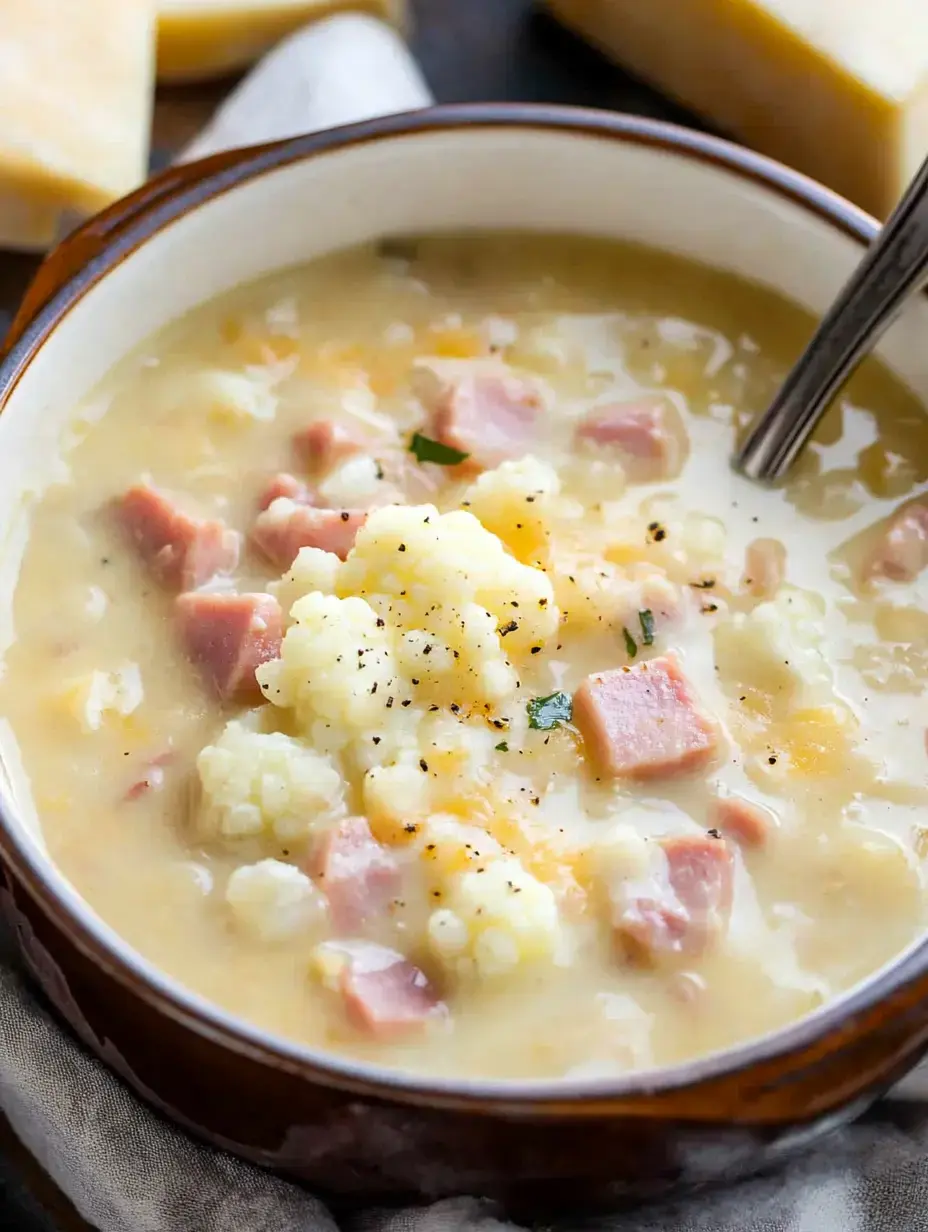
126	1170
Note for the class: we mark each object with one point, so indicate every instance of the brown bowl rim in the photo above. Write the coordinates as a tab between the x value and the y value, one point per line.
159	205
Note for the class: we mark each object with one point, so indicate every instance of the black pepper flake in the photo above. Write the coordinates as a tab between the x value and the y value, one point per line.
714	833
345	515
427	649
374	688
455	708
429	846
410	827
529	500
432	709
389	703
405	703
536	650
542	602
705	584
771	761
710	607
380	622
414	680
536	799
423	765
508	628
376	739
402	547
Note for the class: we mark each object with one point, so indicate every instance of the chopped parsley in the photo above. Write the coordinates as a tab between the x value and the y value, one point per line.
630	644
546	713
502	747
646	620
427	450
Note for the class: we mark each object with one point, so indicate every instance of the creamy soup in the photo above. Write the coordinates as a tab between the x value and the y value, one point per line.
400	665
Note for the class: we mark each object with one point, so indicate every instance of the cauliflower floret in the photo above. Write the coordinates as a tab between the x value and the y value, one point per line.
266	783
776	649
394	796
447	576
356	484
273	901
336	669
313	570
232	395
514	501
688	546
495	918
446	763
90	698
597	592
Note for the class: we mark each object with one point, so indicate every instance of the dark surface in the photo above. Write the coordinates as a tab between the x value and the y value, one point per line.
470	50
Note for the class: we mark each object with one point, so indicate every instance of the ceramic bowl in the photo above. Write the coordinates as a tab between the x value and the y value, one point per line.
345	1127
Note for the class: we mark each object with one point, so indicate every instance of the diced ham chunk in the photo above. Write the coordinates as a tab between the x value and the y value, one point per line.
764	567
648	434
358	875
182	552
324	444
747	823
682	906
285	485
902	550
645	721
385	994
490	414
285	527
228	636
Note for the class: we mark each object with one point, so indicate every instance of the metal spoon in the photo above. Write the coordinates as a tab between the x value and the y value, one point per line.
895	266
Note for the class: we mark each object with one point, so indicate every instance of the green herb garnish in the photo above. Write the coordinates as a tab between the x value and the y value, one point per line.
546	713
630	644
427	450
646	619
502	747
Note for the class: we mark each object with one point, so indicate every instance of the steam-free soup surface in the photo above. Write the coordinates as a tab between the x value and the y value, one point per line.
399	664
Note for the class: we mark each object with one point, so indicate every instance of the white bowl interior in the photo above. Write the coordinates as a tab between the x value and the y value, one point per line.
439	180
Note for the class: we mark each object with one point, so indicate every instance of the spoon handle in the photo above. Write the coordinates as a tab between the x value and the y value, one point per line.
895	265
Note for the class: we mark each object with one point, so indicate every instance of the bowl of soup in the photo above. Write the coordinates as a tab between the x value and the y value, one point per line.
428	768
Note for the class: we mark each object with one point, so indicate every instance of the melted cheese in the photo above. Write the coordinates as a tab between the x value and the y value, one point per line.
75	108
206	38
836	88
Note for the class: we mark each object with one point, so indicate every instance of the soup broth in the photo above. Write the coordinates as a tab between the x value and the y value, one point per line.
400	665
